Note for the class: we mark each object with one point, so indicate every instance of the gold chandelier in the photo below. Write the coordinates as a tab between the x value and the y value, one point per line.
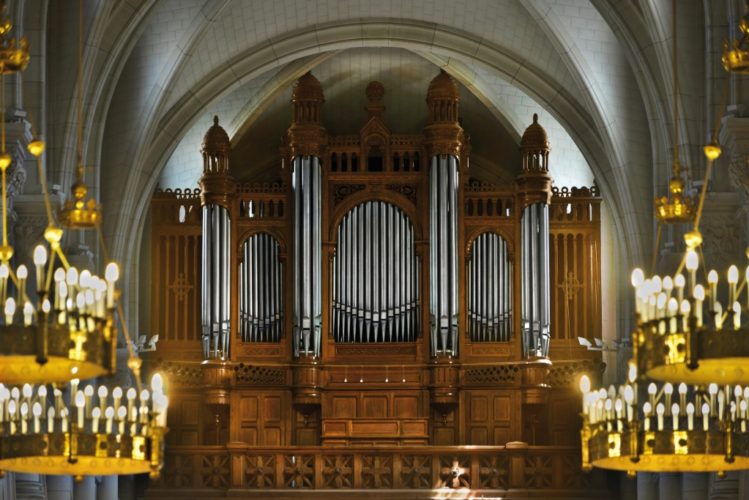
691	335
736	55
93	432
677	206
61	326
68	334
690	429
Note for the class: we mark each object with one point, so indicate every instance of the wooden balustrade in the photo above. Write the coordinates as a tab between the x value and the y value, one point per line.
516	466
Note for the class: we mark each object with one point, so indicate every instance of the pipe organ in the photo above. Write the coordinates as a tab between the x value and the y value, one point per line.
375	297
375	276
489	289
260	290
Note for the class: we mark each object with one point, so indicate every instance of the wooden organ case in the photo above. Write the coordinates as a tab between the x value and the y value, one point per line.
362	321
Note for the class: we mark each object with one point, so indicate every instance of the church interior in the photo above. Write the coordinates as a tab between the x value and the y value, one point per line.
397	249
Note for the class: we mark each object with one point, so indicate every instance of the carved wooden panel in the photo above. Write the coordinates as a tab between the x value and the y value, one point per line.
261	419
491	417
184	420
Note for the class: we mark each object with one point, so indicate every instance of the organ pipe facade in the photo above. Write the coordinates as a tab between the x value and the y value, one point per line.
375	276
376	294
216	186
534	185
261	290
307	252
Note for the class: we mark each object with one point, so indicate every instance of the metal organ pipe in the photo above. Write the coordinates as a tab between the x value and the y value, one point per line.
307	255
260	289
535	279
374	254
443	250
489	290
215	274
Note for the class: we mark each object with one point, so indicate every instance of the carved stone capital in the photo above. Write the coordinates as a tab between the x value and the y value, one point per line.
444	139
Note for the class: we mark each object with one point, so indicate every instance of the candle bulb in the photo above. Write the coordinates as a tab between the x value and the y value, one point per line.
24	417
660	305
718	312
95	416
10	310
690	417
733	278
699	297
109	414
12	415
705	417
712	280
584	388
712	390
660	410
28	313
682	396
22	273
40	259
131	393
117	396
80	402
668	390
71	277
679	283
628	398
121	414
646	410
692	262
102	393
58	399
638	278
742	408
736	315
668	286
4	274
50	420
618	409
64	420
675	416
59	276
88	393
652	389
36	410
746	279
162	409
111	274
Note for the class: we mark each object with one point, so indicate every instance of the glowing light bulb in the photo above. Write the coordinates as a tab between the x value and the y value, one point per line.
692	260
40	255
712	277
22	272
638	277
584	384
157	383
112	272
733	274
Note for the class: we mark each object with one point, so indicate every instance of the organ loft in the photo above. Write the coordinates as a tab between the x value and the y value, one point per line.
376	317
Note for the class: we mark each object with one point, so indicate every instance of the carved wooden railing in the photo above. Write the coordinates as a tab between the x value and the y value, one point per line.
495	468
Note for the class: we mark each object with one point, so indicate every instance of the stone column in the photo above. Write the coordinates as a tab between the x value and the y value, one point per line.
669	485
85	489
647	486
107	488
30	487
694	486
59	488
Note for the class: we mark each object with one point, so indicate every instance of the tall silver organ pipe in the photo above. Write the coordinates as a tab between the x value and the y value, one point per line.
260	290
215	277
375	276
535	292
489	290
307	255
443	253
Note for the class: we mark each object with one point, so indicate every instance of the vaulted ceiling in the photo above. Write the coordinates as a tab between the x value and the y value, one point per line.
597	72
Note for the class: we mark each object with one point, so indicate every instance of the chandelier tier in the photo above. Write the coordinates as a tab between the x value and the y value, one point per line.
665	429
83	430
687	331
63	327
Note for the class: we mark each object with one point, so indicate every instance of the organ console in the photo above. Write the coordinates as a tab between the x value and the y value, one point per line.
375	300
